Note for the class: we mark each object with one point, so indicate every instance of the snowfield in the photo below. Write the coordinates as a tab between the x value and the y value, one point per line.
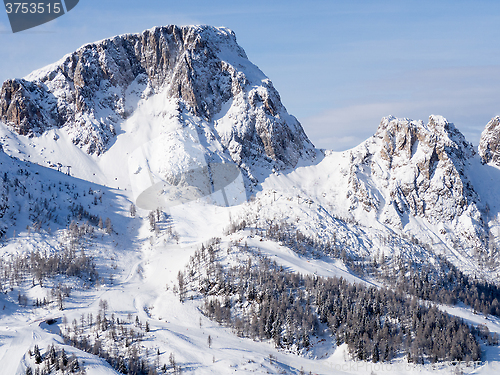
139	270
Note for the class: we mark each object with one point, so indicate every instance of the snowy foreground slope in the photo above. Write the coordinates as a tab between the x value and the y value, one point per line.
123	160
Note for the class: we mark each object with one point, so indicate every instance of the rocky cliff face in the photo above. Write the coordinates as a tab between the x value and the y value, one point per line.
489	143
430	163
93	90
3	198
409	168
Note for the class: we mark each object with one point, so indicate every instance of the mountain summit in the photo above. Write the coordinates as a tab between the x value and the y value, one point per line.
409	169
200	70
489	143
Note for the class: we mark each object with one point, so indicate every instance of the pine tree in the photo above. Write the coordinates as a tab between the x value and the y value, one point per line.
375	355
52	354
63	359
171	360
182	286
152	221
109	226
37	355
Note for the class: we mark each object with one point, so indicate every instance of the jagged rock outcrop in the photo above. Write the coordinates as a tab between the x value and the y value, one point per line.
409	168
489	143
92	91
424	167
4	200
19	107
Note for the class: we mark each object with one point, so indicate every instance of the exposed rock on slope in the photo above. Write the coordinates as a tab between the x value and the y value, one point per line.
409	168
91	91
489	144
4	205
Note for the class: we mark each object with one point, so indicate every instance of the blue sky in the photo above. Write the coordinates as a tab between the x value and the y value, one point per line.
340	66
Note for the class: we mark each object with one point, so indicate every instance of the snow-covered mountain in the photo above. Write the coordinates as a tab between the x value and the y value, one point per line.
113	151
488	143
200	71
410	169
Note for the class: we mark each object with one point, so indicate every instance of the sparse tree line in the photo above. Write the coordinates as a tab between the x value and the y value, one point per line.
159	220
260	300
290	236
118	342
344	247
43	201
54	361
77	211
440	282
38	266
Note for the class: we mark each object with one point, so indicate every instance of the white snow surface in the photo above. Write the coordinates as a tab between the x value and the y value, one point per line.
146	269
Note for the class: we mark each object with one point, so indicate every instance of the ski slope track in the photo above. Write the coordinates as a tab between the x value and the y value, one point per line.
133	152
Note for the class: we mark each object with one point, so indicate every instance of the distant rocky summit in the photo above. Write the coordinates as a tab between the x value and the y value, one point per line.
409	168
489	144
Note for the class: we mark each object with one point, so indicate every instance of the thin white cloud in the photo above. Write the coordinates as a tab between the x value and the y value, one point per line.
466	96
343	128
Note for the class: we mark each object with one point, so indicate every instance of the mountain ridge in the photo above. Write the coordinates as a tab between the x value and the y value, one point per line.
90	92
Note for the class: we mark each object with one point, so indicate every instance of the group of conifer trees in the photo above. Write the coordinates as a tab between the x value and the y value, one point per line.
43	201
118	342
39	266
261	300
439	282
54	361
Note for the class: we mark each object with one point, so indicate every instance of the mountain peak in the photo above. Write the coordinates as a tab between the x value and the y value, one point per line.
416	169
489	143
90	93
438	133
